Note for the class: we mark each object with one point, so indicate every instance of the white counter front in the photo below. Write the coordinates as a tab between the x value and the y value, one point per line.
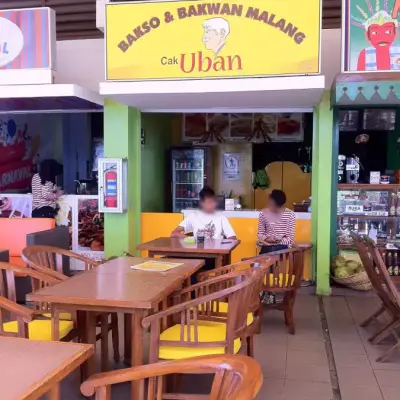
247	214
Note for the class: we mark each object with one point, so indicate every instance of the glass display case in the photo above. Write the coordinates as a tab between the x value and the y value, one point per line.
372	210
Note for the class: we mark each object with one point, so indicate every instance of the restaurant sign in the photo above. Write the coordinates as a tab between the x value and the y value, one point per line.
194	39
370	35
26	38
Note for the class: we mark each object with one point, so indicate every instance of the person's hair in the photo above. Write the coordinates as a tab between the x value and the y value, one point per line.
220	25
206	193
48	172
278	196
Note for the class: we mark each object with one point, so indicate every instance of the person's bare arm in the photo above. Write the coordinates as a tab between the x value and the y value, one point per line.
178	232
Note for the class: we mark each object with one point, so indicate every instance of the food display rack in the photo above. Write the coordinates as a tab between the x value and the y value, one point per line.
377	206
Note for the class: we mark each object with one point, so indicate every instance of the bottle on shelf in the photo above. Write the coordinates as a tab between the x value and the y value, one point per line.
396	264
390	263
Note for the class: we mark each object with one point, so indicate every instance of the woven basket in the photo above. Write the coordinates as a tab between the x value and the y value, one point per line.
358	281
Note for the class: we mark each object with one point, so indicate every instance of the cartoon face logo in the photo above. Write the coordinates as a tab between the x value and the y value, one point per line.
216	30
381	35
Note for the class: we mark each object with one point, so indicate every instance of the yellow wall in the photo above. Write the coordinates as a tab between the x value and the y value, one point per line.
242	186
155	225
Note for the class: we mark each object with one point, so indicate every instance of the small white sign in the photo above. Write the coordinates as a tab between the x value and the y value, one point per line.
374	177
229	204
352	167
231	167
354	209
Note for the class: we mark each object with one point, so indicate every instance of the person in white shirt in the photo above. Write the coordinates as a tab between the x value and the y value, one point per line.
207	219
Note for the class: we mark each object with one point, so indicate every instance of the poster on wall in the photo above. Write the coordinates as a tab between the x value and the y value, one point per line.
25	140
231	166
195	40
15	206
370	39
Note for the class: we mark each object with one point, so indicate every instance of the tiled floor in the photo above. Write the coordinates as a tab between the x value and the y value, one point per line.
358	372
296	367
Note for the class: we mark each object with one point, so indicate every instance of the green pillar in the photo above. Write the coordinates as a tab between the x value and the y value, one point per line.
122	125
323	192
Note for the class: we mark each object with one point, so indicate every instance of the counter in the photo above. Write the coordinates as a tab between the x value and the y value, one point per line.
78	212
247	214
244	223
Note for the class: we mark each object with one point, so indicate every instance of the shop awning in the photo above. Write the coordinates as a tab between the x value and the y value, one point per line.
250	94
48	98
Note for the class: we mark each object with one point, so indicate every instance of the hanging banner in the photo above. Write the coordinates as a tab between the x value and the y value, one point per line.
370	39
27	38
194	39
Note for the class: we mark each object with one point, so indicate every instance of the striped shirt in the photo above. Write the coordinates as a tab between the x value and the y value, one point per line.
43	195
281	228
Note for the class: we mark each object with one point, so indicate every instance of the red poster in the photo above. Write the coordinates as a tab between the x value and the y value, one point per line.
16	175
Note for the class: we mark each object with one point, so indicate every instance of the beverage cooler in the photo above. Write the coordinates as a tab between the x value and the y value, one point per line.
190	173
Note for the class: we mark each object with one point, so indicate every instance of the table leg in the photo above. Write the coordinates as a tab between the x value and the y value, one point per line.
55	324
127	338
219	262
90	338
137	351
54	393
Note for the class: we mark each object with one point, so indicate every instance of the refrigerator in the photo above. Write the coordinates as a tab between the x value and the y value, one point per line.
190	172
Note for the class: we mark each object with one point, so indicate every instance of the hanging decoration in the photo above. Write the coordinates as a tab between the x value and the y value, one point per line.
211	136
258	132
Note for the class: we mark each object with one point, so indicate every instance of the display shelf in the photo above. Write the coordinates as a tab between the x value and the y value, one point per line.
396	280
357	186
375	217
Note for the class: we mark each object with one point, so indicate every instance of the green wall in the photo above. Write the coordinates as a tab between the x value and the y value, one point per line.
154	163
324	188
122	140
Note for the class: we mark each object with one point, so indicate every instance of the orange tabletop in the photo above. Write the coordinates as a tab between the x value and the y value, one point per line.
220	249
30	368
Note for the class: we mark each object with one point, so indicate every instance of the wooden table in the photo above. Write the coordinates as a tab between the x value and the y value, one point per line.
29	368
218	249
115	287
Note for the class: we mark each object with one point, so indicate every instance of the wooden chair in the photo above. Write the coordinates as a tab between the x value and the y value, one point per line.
244	266
20	321
284	277
389	295
235	378
215	322
49	260
369	265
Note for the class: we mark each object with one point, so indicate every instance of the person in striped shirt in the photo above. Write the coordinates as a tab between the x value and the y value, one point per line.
276	226
44	191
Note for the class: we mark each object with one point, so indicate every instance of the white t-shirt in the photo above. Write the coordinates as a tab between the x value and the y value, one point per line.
215	225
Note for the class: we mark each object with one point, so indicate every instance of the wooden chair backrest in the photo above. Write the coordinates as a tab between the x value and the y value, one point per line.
235	378
49	258
8	288
237	290
240	269
287	270
380	278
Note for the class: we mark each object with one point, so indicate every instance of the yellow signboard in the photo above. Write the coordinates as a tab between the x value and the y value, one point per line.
195	39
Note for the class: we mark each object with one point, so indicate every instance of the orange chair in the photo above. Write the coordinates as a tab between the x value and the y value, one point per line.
21	232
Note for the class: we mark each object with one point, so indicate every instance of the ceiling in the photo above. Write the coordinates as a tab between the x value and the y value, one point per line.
76	19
